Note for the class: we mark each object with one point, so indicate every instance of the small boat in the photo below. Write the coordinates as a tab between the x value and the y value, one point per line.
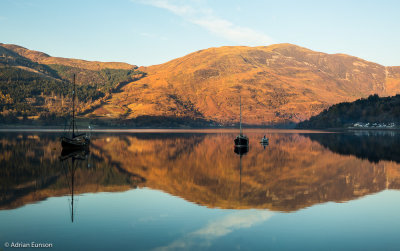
241	140
76	141
264	140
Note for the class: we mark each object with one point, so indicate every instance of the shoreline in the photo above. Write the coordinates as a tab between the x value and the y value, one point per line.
156	129
167	130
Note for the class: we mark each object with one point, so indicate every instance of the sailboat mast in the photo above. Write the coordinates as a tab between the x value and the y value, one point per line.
240	181
73	110
72	190
240	115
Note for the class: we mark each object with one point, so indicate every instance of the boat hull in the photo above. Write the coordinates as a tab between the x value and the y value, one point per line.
241	141
75	143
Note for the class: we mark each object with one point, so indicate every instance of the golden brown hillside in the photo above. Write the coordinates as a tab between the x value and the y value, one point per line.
278	83
43	58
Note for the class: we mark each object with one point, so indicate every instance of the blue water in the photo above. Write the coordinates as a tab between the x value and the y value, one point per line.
144	218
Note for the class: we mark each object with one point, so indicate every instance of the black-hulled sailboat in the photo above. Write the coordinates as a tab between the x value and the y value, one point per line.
76	141
241	141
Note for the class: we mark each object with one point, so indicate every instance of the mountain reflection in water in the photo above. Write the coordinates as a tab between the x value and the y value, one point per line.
293	172
371	145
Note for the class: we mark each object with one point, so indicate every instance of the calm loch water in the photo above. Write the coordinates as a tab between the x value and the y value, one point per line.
189	190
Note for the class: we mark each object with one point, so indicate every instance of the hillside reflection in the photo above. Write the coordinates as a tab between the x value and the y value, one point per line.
31	170
371	145
293	172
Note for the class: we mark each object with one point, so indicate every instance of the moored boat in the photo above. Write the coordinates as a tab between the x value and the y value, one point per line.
76	141
264	140
241	140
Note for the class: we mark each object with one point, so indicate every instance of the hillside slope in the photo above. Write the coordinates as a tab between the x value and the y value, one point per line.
278	83
281	83
29	87
43	58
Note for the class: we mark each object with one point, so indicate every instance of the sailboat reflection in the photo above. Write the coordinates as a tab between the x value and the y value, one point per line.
241	151
70	161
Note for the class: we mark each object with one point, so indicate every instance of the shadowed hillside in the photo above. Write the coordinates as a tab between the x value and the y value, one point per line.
381	111
35	85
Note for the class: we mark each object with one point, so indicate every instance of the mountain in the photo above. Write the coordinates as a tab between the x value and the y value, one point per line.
278	84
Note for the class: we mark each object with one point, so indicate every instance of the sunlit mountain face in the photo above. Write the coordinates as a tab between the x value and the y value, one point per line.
282	83
293	172
278	83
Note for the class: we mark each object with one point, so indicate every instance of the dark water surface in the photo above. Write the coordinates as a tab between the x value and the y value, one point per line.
189	190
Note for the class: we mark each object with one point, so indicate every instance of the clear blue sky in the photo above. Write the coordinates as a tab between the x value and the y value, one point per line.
146	32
